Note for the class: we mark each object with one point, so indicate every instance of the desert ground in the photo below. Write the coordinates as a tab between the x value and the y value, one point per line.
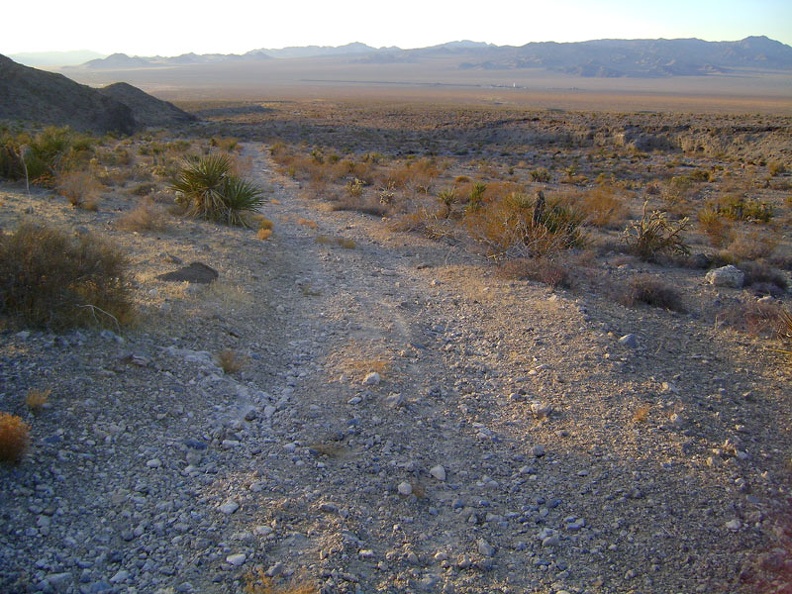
389	389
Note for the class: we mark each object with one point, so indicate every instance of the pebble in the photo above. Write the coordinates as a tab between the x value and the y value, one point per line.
236	559
229	507
405	488
485	548
629	340
372	379
438	472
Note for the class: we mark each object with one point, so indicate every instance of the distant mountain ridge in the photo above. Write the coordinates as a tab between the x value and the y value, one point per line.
599	58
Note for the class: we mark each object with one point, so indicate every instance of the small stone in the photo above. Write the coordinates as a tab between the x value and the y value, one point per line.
229	507
550	541
734	525
438	472
120	576
355	400
629	340
538	451
485	548
236	559
366	554
154	463
541	410
405	488
372	379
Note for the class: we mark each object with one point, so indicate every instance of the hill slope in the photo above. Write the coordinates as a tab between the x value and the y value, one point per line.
33	95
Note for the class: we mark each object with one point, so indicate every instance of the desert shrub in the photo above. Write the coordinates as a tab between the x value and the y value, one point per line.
764	279
540	174
655	235
775	168
146	216
740	208
52	279
550	271
80	188
40	157
750	244
718	230
354	187
207	189
519	226
603	206
650	290
759	318
14	437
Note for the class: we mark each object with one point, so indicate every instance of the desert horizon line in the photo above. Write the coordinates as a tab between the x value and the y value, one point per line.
360	44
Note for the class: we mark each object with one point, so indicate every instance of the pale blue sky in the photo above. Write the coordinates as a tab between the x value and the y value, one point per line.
173	27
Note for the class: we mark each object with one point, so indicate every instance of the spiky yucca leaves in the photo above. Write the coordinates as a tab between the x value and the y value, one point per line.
208	189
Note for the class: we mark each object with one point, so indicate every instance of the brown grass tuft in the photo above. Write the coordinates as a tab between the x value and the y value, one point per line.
147	216
14	437
230	361
37	399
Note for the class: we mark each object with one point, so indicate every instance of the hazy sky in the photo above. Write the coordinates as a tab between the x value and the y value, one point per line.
173	27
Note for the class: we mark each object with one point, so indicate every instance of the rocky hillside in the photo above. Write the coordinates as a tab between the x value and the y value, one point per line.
29	94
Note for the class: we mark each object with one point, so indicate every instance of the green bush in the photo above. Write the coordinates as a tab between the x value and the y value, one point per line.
52	279
206	187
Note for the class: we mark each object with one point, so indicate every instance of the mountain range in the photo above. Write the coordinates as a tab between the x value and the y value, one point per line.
600	58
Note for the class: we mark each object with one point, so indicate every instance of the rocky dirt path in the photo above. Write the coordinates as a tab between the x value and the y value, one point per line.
406	422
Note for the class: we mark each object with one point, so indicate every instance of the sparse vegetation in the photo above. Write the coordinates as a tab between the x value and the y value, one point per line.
230	361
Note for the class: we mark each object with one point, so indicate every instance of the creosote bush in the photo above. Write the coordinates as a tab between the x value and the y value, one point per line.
207	188
51	279
649	290
14	437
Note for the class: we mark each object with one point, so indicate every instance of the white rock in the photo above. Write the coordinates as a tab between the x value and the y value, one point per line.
372	379
229	507
154	463
726	276
438	472
405	488
734	525
236	559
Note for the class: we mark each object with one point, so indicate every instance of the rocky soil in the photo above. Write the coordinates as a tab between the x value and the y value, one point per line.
405	420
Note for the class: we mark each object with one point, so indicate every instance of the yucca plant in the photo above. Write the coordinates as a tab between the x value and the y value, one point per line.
208	189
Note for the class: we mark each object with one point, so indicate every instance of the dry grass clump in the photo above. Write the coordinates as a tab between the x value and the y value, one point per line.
604	207
52	279
641	414
649	290
14	437
256	581
147	216
554	272
37	399
343	242
758	318
230	361
80	188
